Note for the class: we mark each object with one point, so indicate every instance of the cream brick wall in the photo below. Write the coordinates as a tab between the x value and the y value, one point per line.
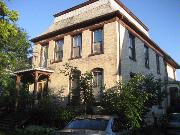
116	54
107	61
138	66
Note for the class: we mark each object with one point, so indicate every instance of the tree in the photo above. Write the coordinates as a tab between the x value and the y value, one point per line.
7	21
133	99
14	42
84	87
14	47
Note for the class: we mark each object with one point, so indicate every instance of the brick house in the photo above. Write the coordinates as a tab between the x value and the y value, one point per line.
101	36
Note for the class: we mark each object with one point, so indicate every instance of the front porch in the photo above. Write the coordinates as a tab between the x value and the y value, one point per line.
37	80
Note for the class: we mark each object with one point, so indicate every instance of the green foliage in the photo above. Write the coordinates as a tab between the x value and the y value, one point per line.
86	89
14	52
34	130
48	112
133	98
7	21
7	92
14	47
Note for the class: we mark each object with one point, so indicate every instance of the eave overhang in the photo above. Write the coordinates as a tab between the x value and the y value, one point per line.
32	70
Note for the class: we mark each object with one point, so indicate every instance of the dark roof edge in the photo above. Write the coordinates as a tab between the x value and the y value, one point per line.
92	1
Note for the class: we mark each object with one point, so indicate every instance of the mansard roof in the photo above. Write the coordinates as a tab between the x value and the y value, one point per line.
92	1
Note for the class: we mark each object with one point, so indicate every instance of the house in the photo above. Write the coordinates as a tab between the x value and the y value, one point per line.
101	36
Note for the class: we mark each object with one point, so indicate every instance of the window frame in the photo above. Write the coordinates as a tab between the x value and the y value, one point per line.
72	46
158	64
101	42
132	47
98	70
45	63
146	56
55	51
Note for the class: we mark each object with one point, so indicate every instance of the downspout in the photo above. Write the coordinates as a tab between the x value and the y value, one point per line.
118	56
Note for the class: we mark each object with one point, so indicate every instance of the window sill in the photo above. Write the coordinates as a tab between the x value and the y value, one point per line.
55	61
133	59
93	54
75	58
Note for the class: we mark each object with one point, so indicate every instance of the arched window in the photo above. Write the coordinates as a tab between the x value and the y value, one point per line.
74	88
98	82
98	77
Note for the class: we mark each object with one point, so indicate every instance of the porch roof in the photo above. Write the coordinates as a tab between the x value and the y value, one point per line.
34	69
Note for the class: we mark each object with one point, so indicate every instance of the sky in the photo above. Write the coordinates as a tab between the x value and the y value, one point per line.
162	17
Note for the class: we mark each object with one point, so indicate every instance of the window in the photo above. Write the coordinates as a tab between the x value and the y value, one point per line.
132	51
44	56
97	41
77	45
98	82
58	56
98	78
158	63
75	92
88	124
146	56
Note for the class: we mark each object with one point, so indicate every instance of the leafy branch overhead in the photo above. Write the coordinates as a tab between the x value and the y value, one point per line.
14	42
14	46
7	21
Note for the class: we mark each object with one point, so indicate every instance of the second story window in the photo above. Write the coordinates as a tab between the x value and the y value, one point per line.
132	50
97	41
158	63
146	56
77	45
44	56
58	52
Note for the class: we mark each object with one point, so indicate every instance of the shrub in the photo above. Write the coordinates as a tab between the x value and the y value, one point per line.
133	99
34	130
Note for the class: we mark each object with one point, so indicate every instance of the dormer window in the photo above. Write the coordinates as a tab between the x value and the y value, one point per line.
77	46
97	41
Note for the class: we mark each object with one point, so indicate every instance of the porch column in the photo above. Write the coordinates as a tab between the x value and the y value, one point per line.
35	86
18	80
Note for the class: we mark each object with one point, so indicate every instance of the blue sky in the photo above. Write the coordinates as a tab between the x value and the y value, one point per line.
162	17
